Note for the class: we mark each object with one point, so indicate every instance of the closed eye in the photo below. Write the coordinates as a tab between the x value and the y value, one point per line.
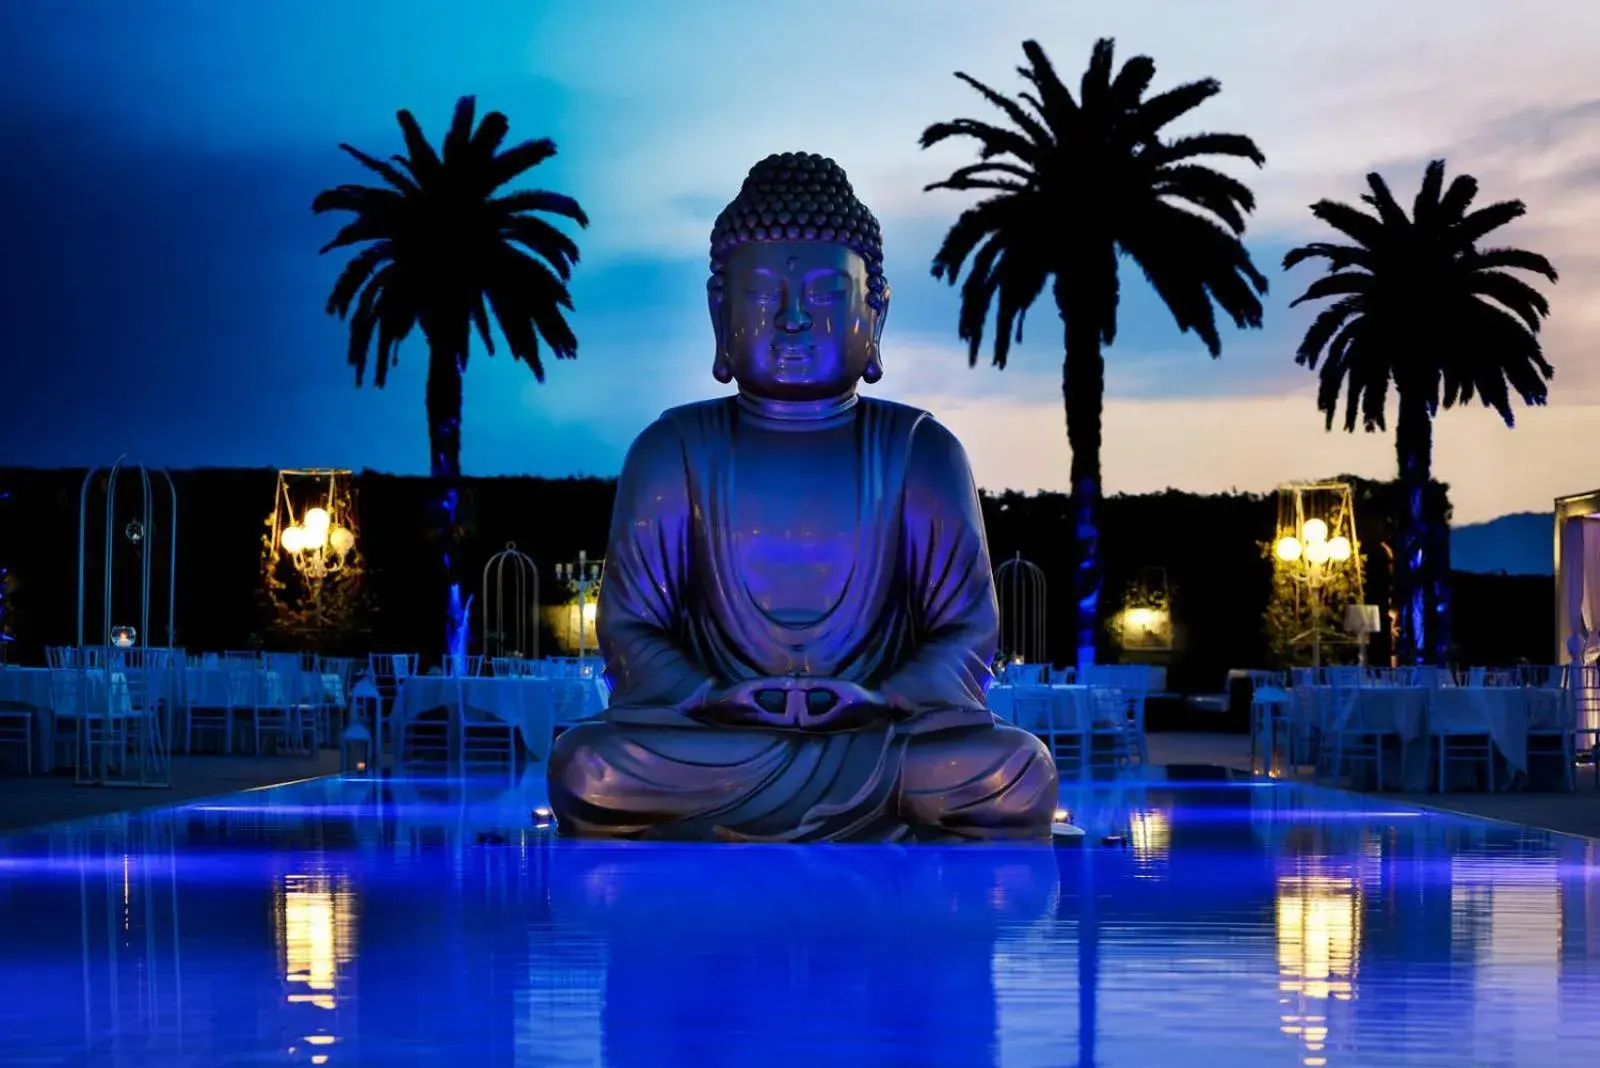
761	296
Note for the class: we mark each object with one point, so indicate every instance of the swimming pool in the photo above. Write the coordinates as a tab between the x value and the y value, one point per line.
406	922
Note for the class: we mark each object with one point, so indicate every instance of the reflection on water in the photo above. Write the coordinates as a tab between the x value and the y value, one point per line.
1150	834
1318	924
315	931
424	923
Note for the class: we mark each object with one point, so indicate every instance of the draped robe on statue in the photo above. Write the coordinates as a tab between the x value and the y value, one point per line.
871	513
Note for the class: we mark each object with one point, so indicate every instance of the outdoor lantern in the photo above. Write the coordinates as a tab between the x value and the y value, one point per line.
1315	530
341	540
124	637
293	539
1339	549
1317	552
1288	548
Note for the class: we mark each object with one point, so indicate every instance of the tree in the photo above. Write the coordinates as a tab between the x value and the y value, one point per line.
445	248
1071	186
1419	304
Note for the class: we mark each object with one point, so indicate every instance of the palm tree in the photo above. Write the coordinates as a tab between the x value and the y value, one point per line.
1071	186
445	249
1419	304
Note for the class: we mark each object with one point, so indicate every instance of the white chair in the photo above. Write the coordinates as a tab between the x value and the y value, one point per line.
241	678
1116	736
388	672
1461	741
334	676
16	730
468	666
1553	730
517	667
1269	709
1362	726
277	708
1033	709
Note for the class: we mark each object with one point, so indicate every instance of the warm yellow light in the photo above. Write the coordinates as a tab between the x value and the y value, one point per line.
1339	549
1317	552
316	520
589	612
1315	530
341	540
1288	548
1140	617
293	539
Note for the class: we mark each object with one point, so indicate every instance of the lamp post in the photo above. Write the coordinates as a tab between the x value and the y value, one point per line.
584	577
1313	551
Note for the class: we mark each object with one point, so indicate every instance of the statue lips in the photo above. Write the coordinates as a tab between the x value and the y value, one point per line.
793	358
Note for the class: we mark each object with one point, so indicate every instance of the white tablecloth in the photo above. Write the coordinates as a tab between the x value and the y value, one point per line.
1418	714
29	685
533	705
1072	708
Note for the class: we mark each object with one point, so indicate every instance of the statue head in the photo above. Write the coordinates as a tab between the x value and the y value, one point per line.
797	294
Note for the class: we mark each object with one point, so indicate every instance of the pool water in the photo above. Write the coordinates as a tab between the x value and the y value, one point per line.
426	922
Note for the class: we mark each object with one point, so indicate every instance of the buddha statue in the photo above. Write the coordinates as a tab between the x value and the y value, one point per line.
797	614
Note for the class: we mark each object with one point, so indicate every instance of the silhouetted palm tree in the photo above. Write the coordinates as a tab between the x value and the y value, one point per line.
447	250
1075	184
1420	305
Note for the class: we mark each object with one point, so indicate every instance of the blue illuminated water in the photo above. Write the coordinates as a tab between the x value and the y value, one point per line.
423	923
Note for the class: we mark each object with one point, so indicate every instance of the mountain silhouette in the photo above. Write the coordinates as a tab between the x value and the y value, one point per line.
1518	544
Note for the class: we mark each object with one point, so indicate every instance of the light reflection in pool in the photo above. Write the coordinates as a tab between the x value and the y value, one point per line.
423	922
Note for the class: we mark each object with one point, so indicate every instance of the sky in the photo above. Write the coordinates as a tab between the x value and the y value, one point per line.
163	294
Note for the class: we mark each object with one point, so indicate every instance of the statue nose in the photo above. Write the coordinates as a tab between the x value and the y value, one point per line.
792	317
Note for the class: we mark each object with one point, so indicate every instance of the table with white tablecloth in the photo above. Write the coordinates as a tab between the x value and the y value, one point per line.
533	705
79	692
1072	708
1418	716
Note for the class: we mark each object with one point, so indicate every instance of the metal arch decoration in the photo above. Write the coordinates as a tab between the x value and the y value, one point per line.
1022	589
518	635
113	749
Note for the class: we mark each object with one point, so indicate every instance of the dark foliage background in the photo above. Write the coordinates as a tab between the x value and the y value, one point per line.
1209	547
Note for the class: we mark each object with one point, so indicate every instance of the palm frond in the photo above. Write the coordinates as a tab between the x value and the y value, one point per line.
388	172
1163	108
1484	221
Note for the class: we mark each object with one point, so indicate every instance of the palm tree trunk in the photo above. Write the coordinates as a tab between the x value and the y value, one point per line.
445	367
1083	394
1416	594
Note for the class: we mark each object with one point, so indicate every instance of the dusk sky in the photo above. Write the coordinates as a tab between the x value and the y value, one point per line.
163	291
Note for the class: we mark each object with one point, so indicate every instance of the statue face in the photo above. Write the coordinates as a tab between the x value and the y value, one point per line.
794	321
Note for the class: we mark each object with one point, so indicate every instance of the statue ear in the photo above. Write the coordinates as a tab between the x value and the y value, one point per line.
874	369
721	366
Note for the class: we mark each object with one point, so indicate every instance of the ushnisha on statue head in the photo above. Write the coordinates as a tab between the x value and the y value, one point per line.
797	293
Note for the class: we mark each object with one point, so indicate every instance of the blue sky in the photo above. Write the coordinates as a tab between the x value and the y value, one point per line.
164	294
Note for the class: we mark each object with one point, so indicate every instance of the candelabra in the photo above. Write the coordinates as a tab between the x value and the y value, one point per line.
583	576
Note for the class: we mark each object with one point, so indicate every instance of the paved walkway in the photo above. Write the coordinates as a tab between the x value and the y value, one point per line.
30	802
1577	813
40	799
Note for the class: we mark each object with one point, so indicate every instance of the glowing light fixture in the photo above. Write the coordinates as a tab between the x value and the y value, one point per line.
1288	548
1315	530
1339	549
124	637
